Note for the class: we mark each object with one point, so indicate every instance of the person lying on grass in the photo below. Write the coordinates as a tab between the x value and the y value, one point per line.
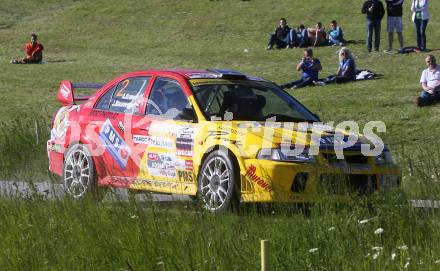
34	52
346	70
430	81
310	68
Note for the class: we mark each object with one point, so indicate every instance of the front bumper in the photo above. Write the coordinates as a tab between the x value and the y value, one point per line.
273	181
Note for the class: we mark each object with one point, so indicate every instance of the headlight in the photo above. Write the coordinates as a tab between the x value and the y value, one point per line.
279	155
384	158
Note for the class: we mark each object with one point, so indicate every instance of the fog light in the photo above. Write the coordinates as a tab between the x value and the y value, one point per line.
389	181
299	182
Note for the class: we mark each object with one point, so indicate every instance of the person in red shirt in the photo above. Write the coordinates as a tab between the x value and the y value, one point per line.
34	52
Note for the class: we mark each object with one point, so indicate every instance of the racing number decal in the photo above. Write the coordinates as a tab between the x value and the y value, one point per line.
125	84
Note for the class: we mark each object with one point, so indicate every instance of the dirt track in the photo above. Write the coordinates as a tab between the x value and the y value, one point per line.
54	190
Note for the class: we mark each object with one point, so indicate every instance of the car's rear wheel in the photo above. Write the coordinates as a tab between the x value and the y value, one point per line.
218	182
79	173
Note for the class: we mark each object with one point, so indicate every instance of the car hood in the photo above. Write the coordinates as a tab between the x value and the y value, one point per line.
253	136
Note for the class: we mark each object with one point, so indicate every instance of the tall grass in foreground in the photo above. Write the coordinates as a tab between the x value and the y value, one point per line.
375	234
23	148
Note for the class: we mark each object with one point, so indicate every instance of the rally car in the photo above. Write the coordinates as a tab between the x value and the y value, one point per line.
217	134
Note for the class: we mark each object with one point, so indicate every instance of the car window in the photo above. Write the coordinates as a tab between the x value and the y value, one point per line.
247	100
128	95
167	100
104	101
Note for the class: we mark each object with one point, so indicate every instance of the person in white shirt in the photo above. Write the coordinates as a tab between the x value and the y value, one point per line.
430	81
420	18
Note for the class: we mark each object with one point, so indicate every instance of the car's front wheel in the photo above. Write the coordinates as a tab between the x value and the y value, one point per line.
79	172
218	182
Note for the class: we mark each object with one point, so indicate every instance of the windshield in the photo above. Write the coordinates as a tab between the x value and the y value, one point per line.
247	100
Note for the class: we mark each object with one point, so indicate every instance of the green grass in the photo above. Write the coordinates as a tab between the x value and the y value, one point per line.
67	235
102	39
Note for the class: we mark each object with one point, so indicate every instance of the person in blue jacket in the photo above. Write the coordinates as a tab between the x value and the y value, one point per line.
303	37
310	68
346	70
335	35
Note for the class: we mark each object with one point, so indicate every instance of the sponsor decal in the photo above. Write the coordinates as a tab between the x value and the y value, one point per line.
103	114
162	129
130	97
160	142
162	165
185	141
121	104
187	153
61	122
121	126
217	133
185	176
54	147
115	144
159	184
189	164
251	174
65	91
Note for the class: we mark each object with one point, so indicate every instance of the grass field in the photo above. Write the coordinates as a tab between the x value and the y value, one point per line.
101	39
128	236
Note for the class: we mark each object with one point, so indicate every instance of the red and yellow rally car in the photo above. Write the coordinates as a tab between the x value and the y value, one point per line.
219	134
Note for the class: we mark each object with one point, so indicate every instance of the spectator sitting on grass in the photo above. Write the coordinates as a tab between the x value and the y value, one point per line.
283	37
303	37
430	81
346	71
335	35
317	35
34	52
310	68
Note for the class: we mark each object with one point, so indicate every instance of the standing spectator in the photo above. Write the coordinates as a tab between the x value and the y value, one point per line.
430	81
34	52
394	21
283	37
303	37
310	68
335	36
420	18
375	12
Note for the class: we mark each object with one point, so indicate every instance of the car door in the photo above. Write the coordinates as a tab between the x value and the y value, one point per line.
115	111
167	164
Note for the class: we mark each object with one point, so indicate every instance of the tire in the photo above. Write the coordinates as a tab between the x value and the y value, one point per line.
219	182
79	175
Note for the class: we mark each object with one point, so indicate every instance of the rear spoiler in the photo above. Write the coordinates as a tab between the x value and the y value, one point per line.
65	92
